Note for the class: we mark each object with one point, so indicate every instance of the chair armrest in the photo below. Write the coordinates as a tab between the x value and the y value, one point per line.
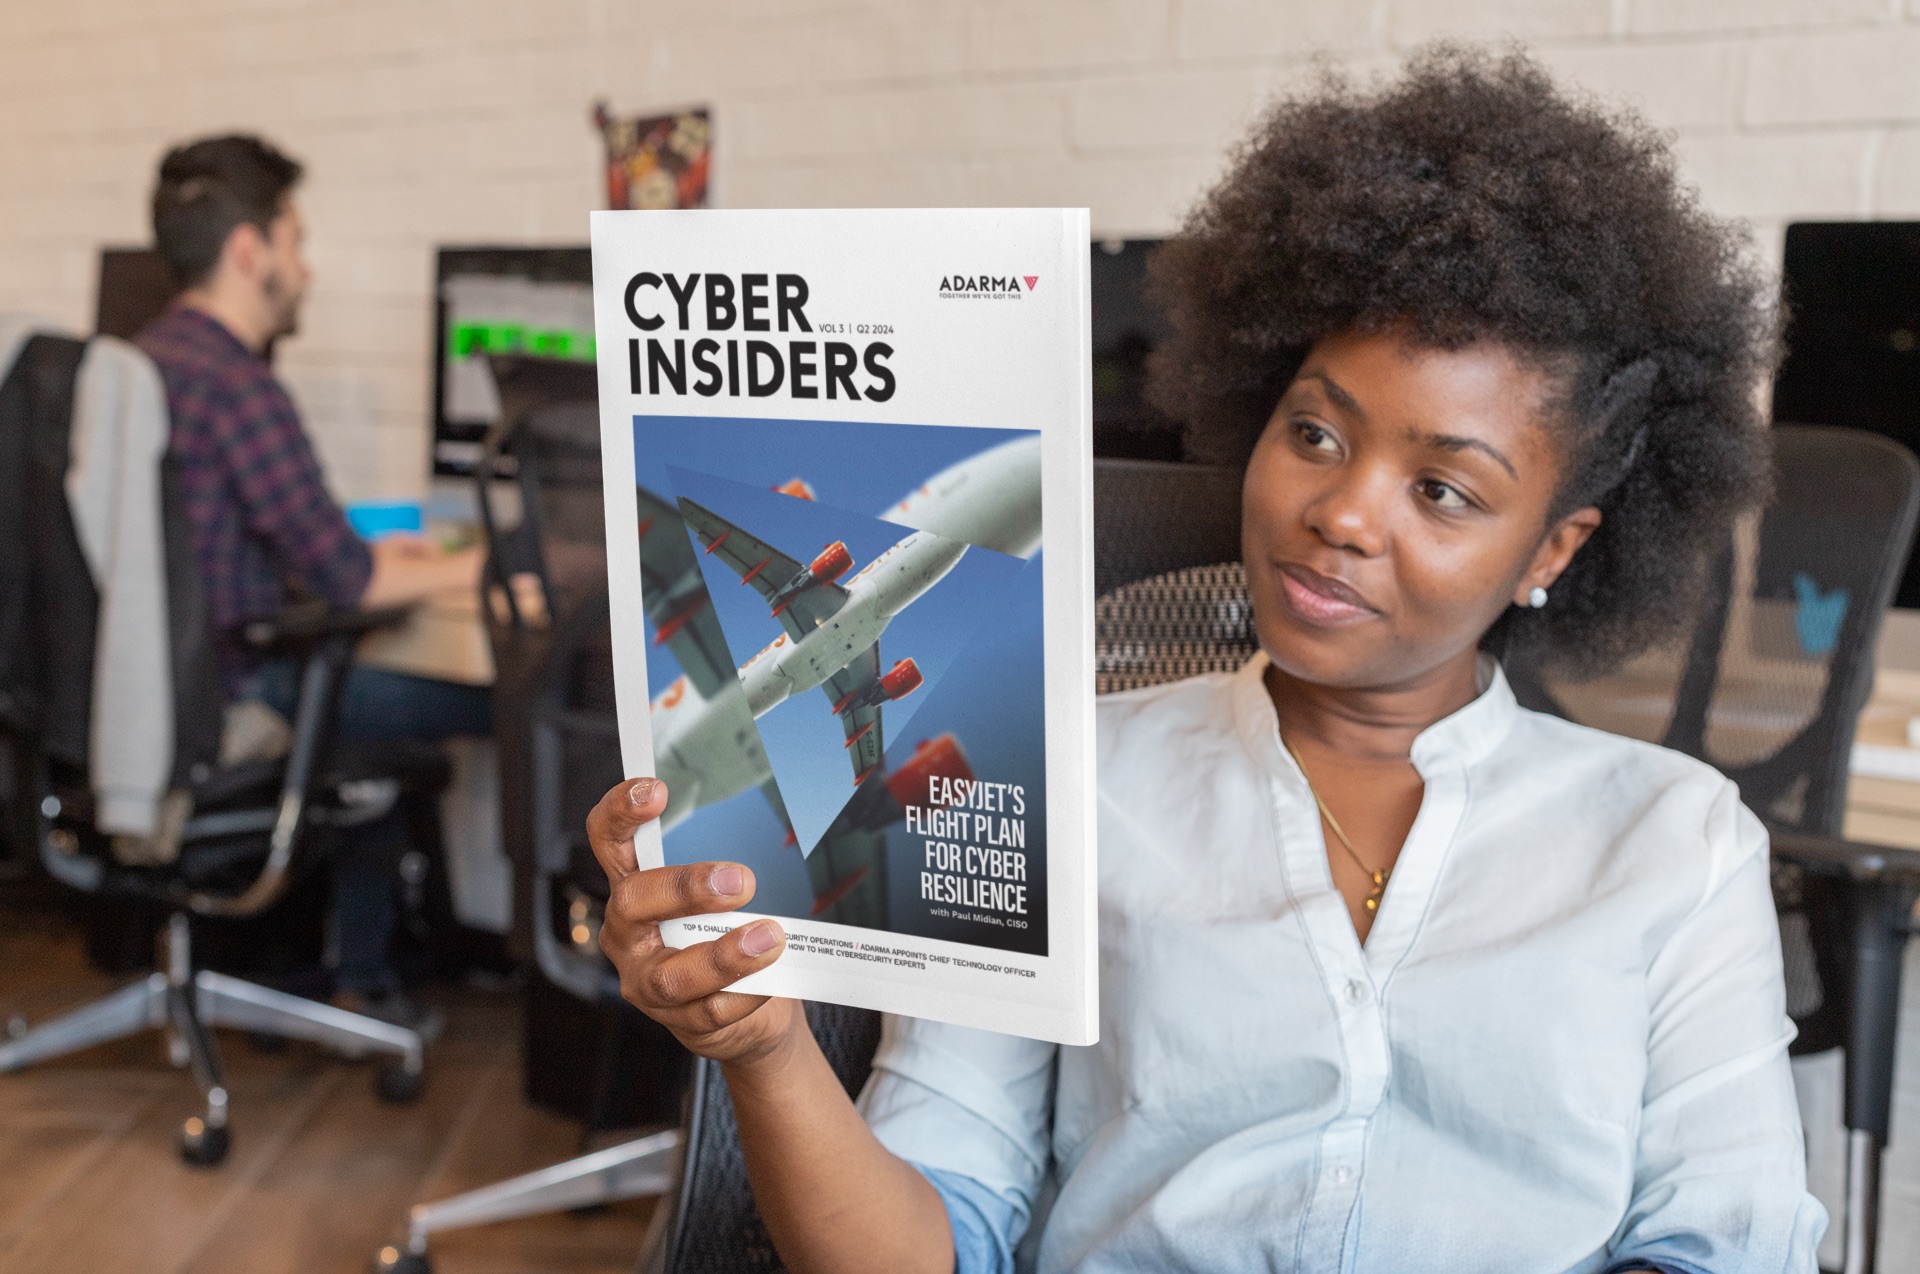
1854	860
309	622
323	640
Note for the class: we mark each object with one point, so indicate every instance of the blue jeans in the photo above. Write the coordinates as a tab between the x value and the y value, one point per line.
376	704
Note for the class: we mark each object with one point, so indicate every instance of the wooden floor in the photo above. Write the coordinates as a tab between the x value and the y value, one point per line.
322	1173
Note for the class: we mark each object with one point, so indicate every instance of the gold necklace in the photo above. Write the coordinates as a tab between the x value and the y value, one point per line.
1379	877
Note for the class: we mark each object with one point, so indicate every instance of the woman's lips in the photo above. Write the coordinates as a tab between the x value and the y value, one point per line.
1321	599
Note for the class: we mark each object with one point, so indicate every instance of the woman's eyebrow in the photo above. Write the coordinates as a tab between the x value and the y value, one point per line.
1341	398
1454	442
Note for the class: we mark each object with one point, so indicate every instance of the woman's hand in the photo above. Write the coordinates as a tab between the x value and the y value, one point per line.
834	1199
686	990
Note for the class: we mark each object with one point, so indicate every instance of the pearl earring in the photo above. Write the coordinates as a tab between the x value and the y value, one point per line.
1537	598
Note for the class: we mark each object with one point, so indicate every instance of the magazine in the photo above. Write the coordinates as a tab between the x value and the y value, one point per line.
849	501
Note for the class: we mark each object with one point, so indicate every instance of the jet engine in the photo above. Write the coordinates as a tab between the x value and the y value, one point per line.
897	682
833	562
902	679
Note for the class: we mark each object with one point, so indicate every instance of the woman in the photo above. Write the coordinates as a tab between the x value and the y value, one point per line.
1396	976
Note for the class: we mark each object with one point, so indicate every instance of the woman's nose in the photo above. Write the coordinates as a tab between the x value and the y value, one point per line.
1349	512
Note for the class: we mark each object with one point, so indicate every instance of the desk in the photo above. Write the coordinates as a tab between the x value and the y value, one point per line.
445	637
442	638
1883	794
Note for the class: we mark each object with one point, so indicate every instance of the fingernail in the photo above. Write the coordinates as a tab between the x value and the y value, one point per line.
760	938
726	881
641	793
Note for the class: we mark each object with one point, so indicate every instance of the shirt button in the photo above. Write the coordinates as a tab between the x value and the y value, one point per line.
1342	1175
1356	991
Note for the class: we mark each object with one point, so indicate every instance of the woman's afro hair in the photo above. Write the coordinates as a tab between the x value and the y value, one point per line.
1471	201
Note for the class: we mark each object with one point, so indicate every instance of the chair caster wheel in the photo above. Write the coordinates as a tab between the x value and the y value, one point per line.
393	1261
203	1145
399	1086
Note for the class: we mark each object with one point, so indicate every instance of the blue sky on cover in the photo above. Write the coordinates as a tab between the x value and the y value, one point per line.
858	465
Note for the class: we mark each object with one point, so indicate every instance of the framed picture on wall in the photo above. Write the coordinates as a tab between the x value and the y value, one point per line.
657	161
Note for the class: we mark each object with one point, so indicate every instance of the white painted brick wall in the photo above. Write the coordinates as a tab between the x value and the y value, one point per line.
443	121
429	121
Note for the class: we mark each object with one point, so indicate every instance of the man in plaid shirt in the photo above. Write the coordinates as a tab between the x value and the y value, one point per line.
264	525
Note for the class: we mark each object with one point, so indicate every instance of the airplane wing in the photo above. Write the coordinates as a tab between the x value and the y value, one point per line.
676	597
866	742
766	568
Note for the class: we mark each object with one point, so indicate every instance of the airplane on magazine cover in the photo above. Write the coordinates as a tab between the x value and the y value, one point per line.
705	744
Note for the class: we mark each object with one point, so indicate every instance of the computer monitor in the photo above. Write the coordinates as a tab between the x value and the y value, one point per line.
1126	328
534	302
1853	336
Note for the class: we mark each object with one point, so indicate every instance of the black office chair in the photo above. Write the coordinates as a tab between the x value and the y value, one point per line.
556	725
709	1225
250	830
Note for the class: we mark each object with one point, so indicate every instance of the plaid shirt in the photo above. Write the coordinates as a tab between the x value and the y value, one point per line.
255	499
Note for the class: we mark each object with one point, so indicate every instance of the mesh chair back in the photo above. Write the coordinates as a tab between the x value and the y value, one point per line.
553	694
1151	517
1171	597
715	1227
554	652
558	448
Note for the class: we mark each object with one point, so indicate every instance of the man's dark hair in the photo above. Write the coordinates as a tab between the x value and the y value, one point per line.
1472	200
207	188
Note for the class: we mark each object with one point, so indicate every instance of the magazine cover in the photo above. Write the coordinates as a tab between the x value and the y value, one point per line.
849	502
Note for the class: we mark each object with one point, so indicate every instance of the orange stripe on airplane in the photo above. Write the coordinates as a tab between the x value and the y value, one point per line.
677	622
748	577
719	539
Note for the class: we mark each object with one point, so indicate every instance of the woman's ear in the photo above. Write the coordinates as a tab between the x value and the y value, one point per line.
1555	551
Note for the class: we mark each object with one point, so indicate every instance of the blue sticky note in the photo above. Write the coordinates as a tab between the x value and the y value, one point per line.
374	520
1817	615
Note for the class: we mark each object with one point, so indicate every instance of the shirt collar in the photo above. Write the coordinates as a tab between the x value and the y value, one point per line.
1456	741
206	327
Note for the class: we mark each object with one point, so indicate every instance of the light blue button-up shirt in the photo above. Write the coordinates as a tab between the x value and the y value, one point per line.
1562	1048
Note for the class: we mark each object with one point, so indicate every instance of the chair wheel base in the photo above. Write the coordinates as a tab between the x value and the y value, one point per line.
203	1145
399	1086
393	1261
